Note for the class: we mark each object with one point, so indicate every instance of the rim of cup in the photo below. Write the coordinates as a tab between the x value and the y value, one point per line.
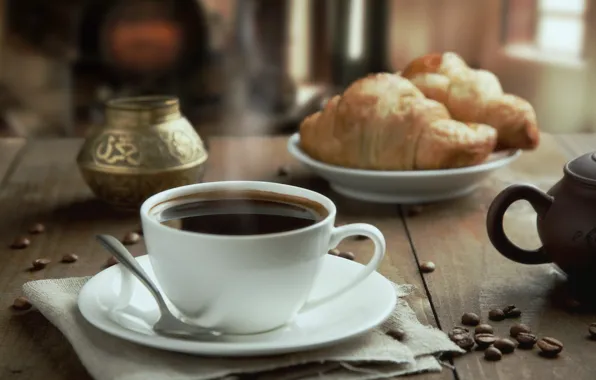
197	188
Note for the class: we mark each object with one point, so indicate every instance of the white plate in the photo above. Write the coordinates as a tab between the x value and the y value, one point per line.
404	187
356	312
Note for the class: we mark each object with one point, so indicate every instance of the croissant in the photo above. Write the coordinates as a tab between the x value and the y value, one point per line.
384	122
474	95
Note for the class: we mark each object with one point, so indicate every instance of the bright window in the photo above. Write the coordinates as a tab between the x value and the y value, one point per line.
560	26
550	27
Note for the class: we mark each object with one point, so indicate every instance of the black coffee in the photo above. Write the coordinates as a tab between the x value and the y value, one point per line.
246	213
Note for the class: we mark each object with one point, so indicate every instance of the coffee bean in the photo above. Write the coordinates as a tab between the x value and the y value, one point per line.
347	255
39	264
466	343
413	210
427	267
111	261
140	230
397	334
526	340
592	330
69	258
460	330
458	333
550	346
37	228
515	313
360	237
470	319
20	242
283	171
484	340
511	311
505	345
493	354
21	303
484	329
496	315
131	238
334	252
508	308
457	337
519	328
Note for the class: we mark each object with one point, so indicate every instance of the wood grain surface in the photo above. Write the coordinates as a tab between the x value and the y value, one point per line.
472	276
39	182
260	159
9	149
45	186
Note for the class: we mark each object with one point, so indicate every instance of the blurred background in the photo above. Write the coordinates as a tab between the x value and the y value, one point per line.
61	60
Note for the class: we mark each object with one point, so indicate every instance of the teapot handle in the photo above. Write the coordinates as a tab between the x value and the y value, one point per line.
539	201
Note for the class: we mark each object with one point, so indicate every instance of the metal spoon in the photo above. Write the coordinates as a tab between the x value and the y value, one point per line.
167	324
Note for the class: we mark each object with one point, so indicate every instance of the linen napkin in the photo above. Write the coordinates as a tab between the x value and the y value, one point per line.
371	356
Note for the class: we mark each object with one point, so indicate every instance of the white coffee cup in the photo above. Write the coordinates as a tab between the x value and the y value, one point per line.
246	284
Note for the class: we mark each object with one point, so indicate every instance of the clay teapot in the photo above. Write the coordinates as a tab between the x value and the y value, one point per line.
566	223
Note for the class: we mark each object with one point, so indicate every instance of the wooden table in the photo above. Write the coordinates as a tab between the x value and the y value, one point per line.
39	182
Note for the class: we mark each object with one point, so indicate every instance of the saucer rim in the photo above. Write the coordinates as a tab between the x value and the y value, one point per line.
87	302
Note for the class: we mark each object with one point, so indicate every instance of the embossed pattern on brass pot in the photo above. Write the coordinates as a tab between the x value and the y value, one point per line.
146	146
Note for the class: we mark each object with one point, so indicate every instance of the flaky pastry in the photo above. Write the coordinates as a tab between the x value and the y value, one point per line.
384	122
475	96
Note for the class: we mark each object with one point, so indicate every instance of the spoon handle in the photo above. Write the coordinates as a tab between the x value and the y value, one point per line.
123	255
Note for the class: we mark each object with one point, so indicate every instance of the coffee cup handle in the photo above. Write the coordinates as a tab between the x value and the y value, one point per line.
539	201
340	233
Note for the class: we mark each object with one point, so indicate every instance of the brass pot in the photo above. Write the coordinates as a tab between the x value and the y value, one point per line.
146	146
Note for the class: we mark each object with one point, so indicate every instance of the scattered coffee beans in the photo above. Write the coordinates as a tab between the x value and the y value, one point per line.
131	238
519	328
484	329
550	347
458	333
515	313
457	337
592	330
493	354
283	171
484	340
70	258
496	315
505	345
334	252
526	340
465	343
427	267
508	309
361	237
37	228
20	242
470	319
347	255
413	210
39	264
511	311
21	303
397	334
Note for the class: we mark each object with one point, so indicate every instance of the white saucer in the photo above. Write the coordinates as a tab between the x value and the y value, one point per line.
402	186
356	312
